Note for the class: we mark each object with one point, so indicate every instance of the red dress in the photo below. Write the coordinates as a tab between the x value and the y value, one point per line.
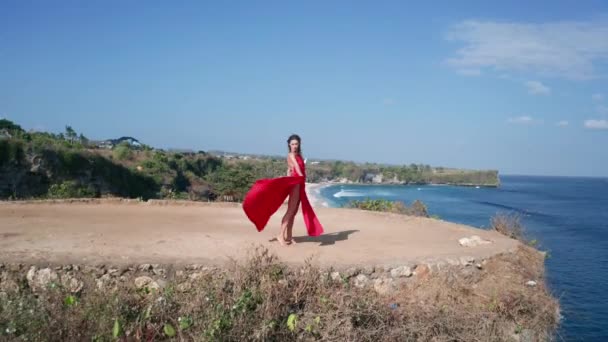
267	195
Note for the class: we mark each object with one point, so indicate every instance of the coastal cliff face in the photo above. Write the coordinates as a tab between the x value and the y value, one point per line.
56	173
501	298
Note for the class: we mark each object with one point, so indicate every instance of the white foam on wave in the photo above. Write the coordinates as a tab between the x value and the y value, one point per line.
383	193
348	193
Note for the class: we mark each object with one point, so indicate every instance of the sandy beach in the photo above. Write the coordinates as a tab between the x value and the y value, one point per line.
313	193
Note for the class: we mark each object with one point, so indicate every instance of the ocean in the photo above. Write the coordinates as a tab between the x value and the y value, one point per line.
568	216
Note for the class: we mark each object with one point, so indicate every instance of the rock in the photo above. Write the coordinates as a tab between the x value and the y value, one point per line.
368	270
98	271
401	271
208	269
473	241
335	276
467	260
67	267
145	281
361	281
531	283
453	262
114	272
161	283
72	284
144	267
183	287
196	276
478	266
15	267
351	272
122	270
194	267
384	286
103	282
158	271
40	279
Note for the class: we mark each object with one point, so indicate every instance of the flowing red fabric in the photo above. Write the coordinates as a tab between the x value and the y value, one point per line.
267	195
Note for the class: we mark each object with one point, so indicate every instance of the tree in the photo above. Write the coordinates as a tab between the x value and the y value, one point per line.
10	126
70	134
83	140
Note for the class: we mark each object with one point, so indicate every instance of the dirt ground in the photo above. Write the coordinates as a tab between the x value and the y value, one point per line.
184	233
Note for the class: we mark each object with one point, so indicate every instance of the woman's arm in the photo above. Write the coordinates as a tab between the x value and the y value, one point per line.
294	164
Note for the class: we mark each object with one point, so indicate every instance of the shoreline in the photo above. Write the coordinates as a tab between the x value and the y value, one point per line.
313	191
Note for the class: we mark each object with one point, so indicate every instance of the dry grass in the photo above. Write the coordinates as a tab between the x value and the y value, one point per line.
491	305
509	225
264	300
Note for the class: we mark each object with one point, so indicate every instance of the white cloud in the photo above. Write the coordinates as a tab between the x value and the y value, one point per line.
537	88
597	97
562	123
523	120
568	49
596	124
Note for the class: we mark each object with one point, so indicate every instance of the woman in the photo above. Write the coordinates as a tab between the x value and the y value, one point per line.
267	195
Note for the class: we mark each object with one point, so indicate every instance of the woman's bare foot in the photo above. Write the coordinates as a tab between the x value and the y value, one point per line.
281	238
282	241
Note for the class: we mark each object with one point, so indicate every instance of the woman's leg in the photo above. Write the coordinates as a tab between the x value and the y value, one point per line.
294	204
292	208
283	232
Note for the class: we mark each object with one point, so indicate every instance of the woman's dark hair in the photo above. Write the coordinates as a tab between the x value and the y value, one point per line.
295	137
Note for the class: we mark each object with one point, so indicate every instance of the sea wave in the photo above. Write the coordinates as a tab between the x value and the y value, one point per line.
348	193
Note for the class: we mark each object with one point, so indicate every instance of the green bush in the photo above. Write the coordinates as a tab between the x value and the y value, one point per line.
69	189
11	151
123	151
416	209
235	179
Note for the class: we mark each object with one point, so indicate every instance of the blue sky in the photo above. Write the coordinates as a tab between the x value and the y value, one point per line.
515	86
